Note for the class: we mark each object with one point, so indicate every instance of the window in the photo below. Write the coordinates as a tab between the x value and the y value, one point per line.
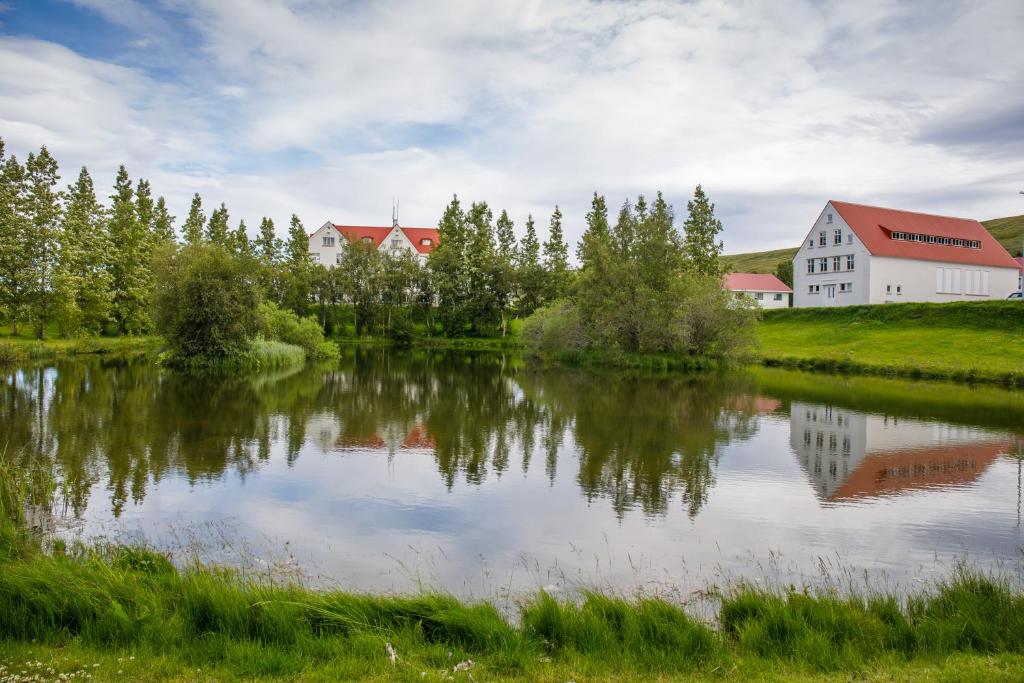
778	297
849	238
315	257
849	261
837	237
845	287
821	239
337	258
835	263
810	243
810	265
426	241
828	219
888	289
899	289
824	265
759	296
328	241
368	240
396	244
813	289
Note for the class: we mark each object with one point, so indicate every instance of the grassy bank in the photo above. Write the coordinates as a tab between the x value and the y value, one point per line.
123	613
17	349
976	342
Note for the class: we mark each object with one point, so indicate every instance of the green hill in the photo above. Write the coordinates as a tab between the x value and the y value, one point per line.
1009	231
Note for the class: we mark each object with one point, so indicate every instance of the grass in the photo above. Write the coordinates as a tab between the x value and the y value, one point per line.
127	613
1009	232
965	341
19	349
262	354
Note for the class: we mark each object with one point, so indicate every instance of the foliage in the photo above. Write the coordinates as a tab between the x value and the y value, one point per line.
282	325
701	245
130	259
555	329
205	302
784	271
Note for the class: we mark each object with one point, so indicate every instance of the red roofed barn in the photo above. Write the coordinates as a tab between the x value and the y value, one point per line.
325	244
858	254
767	290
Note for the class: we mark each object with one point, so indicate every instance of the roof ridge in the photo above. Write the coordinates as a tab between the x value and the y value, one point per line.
916	213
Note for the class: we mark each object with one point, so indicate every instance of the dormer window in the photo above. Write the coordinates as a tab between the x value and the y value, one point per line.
368	240
426	242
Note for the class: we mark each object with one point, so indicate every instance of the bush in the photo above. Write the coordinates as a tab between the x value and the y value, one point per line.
276	323
204	303
713	322
555	329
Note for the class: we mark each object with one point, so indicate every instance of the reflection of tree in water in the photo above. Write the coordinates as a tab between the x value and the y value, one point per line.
127	424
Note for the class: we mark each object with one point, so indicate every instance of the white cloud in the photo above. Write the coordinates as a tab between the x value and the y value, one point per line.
333	110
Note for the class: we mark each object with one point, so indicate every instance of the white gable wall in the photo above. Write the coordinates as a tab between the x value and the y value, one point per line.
325	251
830	284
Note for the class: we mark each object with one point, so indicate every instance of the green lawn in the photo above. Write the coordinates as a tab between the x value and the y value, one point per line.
982	341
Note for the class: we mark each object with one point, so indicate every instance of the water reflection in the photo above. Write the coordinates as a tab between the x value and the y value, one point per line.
488	457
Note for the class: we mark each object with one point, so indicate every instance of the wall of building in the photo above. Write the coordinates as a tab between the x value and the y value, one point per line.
901	280
767	299
325	252
834	288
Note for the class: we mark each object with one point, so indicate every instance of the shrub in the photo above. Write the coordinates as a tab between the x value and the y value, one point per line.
713	322
555	329
276	323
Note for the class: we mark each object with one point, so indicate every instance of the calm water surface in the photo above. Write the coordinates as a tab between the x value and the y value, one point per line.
476	473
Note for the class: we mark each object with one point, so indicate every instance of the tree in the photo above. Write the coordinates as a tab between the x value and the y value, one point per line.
239	241
556	259
784	271
163	223
205	303
361	275
482	309
192	230
217	228
449	269
504	276
299	277
529	272
82	282
701	244
42	211
15	248
144	209
130	266
268	249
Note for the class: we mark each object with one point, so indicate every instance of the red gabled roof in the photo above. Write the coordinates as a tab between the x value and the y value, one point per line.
874	227
754	282
1020	262
379	233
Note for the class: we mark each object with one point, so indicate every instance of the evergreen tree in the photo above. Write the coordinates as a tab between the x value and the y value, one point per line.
556	259
43	222
480	259
268	249
15	248
239	241
192	230
82	284
701	244
130	259
299	275
784	271
449	269
163	223
504	276
217	228
144	210
529	272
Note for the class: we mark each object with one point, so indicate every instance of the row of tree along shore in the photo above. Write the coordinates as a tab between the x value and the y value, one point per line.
73	267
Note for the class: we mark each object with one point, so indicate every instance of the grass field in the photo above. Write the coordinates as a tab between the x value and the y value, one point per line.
981	341
1008	231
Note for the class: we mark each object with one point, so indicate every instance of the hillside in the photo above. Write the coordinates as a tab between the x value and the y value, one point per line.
1009	231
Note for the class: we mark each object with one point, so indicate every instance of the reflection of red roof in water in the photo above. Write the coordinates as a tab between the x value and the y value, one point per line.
753	404
885	474
418	437
371	441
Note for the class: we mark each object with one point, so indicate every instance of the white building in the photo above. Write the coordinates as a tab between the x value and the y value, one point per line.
767	290
325	244
858	254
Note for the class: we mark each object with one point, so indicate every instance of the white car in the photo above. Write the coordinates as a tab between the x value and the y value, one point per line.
1015	295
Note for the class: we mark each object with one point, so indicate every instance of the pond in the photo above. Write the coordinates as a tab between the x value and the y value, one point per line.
479	474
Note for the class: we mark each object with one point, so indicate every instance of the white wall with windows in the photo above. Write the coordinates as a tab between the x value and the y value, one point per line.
831	268
766	299
900	280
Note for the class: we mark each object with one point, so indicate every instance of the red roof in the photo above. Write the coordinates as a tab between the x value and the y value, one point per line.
1020	262
377	235
754	282
874	227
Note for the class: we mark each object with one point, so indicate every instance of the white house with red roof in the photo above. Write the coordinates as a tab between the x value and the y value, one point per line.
325	245
857	254
767	290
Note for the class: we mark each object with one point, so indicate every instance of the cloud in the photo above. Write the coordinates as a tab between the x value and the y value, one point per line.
332	110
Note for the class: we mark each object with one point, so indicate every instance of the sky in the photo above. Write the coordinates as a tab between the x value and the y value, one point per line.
336	110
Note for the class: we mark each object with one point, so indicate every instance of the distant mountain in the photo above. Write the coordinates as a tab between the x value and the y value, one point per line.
1009	231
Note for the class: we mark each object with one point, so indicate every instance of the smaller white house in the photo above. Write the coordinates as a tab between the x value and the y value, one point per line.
767	290
325	244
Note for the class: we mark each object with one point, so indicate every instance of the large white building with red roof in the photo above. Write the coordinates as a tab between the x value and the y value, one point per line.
765	289
325	245
856	254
